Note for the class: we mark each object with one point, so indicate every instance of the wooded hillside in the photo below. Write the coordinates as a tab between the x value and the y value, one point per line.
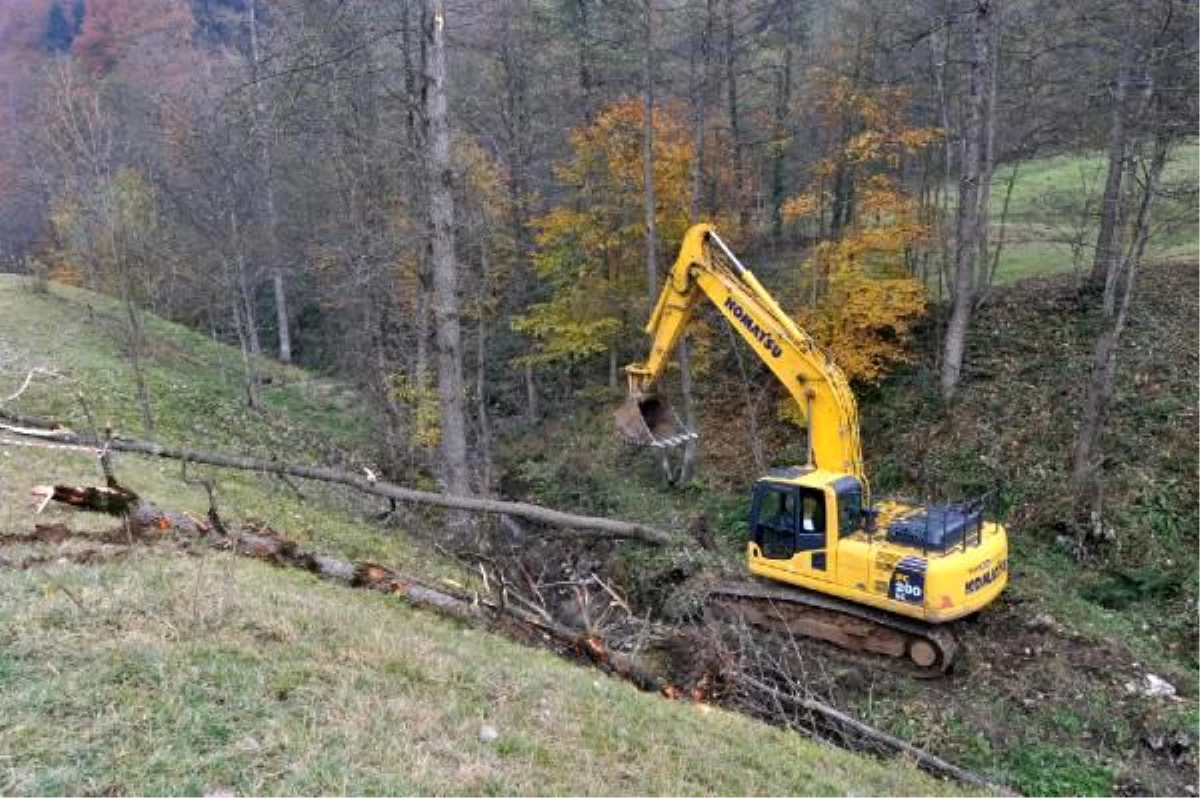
460	215
466	208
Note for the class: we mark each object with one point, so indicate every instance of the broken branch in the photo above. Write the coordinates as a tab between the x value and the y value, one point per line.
28	379
924	760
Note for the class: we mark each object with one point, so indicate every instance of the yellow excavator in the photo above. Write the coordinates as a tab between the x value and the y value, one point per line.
878	578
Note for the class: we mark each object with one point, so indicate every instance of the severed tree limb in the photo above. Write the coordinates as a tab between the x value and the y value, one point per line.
924	760
569	524
578	525
36	422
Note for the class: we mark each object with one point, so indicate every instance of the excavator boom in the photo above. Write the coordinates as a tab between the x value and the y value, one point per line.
707	269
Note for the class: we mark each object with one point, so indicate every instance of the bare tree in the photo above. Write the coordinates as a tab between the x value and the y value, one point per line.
648	149
261	123
447	333
974	135
700	53
1087	457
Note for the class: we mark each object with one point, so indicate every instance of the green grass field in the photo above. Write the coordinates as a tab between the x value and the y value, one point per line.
1054	207
177	675
163	673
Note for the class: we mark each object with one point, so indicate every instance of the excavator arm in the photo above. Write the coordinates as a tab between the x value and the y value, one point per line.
707	269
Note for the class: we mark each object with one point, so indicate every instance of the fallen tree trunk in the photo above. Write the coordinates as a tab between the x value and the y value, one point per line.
147	523
570	524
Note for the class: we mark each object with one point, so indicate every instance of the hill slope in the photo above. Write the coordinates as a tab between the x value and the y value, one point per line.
1053	208
163	673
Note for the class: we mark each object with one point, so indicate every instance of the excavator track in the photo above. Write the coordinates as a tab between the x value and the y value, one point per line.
901	644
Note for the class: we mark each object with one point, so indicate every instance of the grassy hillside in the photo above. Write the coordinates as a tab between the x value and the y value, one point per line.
161	673
1055	204
1121	608
176	675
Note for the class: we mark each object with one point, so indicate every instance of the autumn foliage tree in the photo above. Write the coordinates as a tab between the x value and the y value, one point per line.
590	249
862	298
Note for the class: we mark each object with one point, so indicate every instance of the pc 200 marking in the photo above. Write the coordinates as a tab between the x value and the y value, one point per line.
904	590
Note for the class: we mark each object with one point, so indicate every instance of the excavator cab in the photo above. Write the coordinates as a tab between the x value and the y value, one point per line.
798	515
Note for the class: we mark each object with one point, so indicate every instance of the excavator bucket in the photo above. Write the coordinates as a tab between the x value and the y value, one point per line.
649	421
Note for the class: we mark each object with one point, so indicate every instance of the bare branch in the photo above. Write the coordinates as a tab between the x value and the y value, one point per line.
25	385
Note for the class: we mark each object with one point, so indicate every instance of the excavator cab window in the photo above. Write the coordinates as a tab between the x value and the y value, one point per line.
851	516
850	513
786	519
774	521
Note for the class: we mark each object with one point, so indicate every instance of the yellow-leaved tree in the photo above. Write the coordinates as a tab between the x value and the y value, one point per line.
861	297
590	250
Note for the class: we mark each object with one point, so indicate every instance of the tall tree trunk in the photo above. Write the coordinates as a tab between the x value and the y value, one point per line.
583	41
417	137
249	372
531	394
648	151
484	446
395	442
987	161
244	314
699	75
517	117
843	196
1112	277
940	59
268	189
968	202
1086	457
782	132
247	293
1107	240
447	333
648	178
281	317
731	88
